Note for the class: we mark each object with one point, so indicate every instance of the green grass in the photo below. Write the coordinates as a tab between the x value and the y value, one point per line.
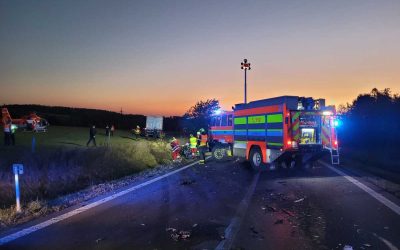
62	163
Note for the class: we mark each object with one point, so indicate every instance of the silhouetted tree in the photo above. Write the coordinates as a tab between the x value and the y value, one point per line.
372	124
199	115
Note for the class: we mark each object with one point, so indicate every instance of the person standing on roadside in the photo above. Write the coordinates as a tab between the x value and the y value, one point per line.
12	134
203	147
112	130
7	131
92	136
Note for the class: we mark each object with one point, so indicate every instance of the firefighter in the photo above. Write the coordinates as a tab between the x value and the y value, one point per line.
107	130
175	148
203	147
193	145
12	134
137	131
92	136
7	131
112	130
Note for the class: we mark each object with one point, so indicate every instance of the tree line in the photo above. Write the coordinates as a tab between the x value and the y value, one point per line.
81	117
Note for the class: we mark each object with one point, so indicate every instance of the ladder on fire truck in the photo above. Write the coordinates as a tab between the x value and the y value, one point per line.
335	159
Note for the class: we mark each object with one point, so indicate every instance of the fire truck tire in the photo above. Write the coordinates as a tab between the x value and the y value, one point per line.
256	159
219	153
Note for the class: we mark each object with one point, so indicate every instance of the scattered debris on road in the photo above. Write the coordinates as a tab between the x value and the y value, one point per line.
279	221
98	240
187	182
178	235
347	247
299	200
287	212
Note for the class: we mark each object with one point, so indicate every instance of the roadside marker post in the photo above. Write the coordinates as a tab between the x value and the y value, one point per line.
17	170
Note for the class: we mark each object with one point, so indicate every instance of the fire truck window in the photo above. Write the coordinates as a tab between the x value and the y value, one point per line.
218	121
229	120
224	120
307	136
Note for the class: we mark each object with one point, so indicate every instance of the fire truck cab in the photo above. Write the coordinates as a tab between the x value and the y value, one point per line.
286	130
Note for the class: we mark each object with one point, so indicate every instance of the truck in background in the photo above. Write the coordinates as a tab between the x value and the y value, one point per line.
154	126
287	130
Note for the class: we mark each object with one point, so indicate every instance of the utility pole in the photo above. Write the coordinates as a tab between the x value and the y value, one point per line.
246	66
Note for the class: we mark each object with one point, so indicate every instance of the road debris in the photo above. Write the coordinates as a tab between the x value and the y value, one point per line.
195	225
143	224
299	200
178	235
347	247
287	212
98	240
269	208
367	245
253	230
279	221
187	182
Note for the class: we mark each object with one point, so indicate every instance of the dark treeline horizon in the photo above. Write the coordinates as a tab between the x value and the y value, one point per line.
83	117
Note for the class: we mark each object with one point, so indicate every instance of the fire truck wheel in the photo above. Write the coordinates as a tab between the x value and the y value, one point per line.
219	153
256	159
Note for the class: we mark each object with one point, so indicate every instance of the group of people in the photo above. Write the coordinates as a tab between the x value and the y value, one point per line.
9	132
110	130
92	134
198	146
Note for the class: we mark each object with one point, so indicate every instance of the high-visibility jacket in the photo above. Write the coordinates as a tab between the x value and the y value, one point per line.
193	142
203	140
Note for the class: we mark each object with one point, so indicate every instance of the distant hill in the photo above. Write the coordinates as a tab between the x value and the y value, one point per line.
81	117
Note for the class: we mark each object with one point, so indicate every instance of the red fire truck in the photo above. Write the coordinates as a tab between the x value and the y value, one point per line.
285	130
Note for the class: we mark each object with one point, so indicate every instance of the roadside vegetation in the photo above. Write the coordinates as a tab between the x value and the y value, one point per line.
370	133
61	164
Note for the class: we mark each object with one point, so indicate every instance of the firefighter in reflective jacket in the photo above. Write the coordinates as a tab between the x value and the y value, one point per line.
203	147
193	145
175	148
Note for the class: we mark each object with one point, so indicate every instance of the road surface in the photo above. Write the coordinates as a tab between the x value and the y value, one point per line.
228	206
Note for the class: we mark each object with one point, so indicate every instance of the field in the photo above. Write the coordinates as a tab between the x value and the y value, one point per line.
61	162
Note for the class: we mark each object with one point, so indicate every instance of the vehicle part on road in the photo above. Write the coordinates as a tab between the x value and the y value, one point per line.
178	235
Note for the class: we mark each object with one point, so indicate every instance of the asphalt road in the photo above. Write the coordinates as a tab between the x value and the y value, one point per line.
226	205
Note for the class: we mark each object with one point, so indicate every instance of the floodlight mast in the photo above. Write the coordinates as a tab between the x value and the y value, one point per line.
246	66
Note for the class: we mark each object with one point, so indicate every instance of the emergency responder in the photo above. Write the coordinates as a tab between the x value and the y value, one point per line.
12	134
203	147
137	131
193	145
92	136
7	131
175	149
112	130
107	130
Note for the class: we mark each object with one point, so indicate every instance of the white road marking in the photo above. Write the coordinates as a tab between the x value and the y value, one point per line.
62	217
387	243
395	208
234	226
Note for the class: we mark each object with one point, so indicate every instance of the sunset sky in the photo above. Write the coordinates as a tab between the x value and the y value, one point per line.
160	57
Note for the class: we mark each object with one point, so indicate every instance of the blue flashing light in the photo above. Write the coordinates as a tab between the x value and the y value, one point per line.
217	112
337	123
